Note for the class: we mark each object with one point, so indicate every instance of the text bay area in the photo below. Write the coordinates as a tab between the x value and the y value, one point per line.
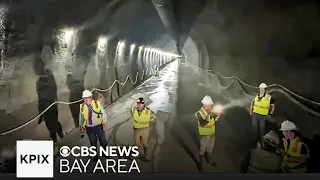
101	166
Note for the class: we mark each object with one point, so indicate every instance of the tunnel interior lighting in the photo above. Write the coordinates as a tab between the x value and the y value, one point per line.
122	44
67	34
121	48
102	41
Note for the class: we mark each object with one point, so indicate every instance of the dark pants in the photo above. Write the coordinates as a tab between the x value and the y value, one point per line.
54	132
94	133
259	124
54	127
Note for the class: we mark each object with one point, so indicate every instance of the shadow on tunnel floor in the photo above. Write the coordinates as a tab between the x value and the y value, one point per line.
234	129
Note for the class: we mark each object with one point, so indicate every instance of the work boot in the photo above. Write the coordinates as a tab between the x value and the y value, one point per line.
60	134
201	157
55	148
209	159
145	150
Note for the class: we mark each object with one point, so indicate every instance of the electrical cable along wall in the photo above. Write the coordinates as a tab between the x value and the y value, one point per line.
112	76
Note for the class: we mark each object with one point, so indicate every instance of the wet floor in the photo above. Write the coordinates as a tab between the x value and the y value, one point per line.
173	146
175	96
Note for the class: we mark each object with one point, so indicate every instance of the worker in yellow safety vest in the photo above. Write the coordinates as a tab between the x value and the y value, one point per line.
142	116
207	117
295	151
261	108
93	119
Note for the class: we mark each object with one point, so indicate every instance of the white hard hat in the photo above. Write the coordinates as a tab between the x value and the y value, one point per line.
263	85
86	94
207	100
288	126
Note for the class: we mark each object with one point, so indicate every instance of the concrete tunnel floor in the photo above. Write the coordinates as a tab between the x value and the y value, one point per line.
173	146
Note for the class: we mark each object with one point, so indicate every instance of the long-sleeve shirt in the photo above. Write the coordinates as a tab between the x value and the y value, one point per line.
153	115
204	122
93	118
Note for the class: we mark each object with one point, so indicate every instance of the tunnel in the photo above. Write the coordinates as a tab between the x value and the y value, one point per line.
52	50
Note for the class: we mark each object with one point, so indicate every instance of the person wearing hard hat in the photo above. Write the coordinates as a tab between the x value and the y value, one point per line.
294	150
261	107
142	116
207	117
264	159
93	119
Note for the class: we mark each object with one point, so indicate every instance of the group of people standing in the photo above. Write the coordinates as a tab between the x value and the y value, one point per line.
272	154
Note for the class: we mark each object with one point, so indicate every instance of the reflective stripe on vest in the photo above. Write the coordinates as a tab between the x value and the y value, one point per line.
208	129
96	107
262	106
142	120
294	151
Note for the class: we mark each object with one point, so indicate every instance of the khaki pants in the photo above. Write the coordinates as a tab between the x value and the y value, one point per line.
207	144
141	137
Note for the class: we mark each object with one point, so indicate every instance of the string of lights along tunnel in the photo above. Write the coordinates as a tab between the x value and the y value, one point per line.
147	58
68	40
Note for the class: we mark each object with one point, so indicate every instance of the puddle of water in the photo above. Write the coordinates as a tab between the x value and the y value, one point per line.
160	96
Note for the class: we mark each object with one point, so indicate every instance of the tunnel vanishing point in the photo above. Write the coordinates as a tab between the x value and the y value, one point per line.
51	50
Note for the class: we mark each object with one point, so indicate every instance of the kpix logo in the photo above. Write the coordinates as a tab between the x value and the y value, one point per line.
34	159
37	159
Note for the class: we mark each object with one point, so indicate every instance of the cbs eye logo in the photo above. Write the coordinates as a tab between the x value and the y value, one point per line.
65	151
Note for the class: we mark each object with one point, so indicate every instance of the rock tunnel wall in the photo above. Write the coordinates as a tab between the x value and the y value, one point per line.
260	41
235	125
71	53
274	42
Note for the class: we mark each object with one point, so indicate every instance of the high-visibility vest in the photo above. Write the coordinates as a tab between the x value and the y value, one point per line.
294	151
263	161
96	107
208	129
262	106
142	120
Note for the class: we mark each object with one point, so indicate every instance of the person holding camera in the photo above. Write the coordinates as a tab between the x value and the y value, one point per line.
93	120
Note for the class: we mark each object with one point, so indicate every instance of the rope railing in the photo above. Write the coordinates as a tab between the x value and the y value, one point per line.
273	88
148	71
269	86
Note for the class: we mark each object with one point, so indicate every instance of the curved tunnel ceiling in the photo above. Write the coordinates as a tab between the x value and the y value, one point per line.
257	40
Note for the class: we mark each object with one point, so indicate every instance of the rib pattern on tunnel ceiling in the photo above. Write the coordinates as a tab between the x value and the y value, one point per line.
64	54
